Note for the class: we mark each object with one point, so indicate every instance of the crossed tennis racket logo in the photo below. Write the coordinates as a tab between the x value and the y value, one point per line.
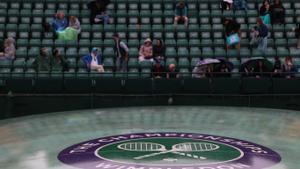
184	149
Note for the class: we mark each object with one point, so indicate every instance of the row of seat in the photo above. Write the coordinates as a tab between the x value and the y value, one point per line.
157	86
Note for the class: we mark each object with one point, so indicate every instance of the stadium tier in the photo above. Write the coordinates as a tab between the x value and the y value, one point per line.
134	21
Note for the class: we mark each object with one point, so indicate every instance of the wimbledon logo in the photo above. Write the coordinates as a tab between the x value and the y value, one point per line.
168	151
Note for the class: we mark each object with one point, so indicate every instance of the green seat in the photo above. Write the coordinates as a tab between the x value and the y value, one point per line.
133	63
108	63
194	43
195	52
220	52
207	52
33	52
282	52
170	43
145	64
96	43
171	52
170	61
21	52
182	43
5	64
71	52
145	73
133	52
108	43
22	43
85	43
183	52
183	63
294	52
17	73
108	52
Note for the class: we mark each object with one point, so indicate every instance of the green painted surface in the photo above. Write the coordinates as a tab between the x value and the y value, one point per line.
34	142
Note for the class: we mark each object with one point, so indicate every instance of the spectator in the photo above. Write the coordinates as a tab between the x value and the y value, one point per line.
232	33
42	63
297	33
159	51
59	22
158	70
93	61
259	35
247	70
264	12
288	68
260	70
277	69
58	62
240	5
223	71
98	11
75	24
199	71
146	51
181	13
121	51
277	12
226	4
172	73
9	49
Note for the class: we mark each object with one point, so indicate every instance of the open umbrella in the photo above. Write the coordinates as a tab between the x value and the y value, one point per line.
252	62
223	61
208	61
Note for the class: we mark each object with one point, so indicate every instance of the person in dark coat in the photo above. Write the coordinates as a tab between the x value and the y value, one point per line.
98	11
277	12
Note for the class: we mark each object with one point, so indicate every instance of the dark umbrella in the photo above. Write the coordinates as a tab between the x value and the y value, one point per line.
252	62
223	61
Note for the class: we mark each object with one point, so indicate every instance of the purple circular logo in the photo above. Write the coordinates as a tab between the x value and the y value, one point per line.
168	151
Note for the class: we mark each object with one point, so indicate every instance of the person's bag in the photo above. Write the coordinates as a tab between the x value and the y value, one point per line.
233	39
266	19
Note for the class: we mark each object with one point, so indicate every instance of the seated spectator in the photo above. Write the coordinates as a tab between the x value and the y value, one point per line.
297	34
247	71
59	22
71	32
277	69
277	12
226	4
98	11
232	33
264	12
240	5
158	70
181	13
146	51
259	34
223	71
288	68
58	62
172	72
159	51
93	61
9	49
260	70
199	71
42	62
121	52
75	24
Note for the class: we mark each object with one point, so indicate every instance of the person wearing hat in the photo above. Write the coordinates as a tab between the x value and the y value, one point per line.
121	52
9	49
146	51
93	61
181	13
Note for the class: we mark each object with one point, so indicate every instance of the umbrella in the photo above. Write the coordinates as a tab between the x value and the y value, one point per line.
223	61
252	62
207	62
